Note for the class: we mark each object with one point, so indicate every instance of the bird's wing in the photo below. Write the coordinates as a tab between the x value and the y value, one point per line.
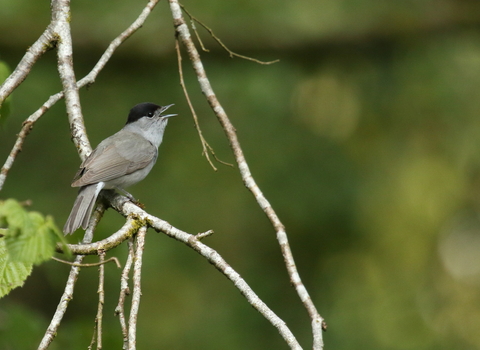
116	156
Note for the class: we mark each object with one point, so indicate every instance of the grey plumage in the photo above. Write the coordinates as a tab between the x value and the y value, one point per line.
119	161
82	208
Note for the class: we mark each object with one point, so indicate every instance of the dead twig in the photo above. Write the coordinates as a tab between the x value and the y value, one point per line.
114	259
207	149
217	39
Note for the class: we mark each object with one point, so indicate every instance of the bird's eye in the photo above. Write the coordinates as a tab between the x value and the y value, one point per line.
150	114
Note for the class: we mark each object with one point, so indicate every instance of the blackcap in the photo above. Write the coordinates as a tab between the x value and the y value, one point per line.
119	161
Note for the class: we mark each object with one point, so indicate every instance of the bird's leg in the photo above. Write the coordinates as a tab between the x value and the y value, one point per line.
129	196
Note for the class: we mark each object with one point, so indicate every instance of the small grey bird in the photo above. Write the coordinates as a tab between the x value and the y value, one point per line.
119	161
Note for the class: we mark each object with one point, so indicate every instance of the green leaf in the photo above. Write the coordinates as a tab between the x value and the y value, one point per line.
13	215
26	238
5	107
30	237
33	245
12	273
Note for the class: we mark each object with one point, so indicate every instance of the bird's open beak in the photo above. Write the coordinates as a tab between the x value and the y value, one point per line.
163	109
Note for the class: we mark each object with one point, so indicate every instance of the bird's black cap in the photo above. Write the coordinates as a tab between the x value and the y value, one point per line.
142	110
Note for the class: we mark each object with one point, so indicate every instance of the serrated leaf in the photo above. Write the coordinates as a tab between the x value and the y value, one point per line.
31	248
13	213
12	274
30	238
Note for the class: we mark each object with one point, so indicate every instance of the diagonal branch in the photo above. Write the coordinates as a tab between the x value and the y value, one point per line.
184	35
45	42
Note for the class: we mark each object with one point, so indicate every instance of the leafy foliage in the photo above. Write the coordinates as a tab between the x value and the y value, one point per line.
28	239
12	274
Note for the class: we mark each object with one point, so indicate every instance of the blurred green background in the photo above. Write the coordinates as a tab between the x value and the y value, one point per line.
365	138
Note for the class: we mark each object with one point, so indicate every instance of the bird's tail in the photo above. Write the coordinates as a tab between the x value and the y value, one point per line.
82	208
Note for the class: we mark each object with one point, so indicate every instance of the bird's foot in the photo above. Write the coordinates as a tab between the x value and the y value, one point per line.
132	198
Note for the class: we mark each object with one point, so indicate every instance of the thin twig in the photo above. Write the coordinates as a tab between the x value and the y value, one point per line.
101	298
203	235
184	34
192	23
114	259
24	66
205	146
192	110
94	337
137	290
52	329
124	291
230	52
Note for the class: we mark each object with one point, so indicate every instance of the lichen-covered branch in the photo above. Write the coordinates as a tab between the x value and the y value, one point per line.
134	213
